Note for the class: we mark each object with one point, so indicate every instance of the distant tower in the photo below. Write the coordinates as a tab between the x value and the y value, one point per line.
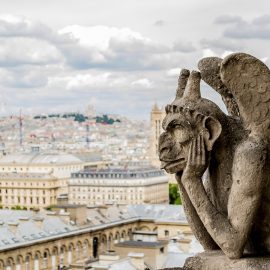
157	116
90	111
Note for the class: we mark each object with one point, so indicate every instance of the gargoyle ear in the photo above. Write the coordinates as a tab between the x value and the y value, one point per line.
214	129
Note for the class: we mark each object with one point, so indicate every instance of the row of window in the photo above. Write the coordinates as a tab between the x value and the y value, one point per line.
119	189
20	183
108	197
26	200
112	183
23	191
118	175
42	168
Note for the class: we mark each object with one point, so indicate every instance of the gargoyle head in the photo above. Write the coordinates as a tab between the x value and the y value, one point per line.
186	117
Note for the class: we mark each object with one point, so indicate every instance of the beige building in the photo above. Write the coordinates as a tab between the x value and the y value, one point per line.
28	190
157	116
36	180
119	185
51	240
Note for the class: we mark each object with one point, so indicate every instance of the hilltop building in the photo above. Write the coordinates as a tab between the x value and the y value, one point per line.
130	185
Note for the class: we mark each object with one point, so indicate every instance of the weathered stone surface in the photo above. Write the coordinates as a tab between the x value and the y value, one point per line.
216	260
230	210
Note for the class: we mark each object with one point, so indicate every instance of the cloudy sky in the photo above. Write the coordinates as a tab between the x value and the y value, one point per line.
119	55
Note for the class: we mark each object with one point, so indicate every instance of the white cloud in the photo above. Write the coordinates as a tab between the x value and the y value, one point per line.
23	77
228	19
110	47
100	36
222	43
143	82
80	81
258	28
183	46
208	53
116	58
173	72
20	50
19	26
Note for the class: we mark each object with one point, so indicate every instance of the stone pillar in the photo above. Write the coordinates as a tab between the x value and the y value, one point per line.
54	263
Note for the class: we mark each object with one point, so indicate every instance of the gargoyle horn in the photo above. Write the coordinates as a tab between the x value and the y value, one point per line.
182	82
192	91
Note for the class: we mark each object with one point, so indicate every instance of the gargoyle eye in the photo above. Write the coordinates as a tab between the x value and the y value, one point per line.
175	125
168	108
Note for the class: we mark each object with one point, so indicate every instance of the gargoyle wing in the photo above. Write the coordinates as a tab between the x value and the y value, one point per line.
248	79
210	73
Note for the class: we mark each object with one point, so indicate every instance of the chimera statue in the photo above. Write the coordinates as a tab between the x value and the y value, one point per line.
228	208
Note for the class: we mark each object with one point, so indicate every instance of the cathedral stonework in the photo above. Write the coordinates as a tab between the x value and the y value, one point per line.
229	209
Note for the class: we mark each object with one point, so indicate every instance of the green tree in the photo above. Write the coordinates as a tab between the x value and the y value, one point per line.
174	195
79	118
110	121
16	207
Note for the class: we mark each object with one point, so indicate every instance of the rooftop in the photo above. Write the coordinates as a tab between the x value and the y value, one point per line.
38	158
25	176
89	157
120	172
142	244
27	227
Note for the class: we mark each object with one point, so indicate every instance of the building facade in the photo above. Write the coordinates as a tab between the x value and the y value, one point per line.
34	181
28	190
119	185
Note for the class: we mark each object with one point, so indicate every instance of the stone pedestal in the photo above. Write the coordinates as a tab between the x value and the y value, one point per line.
218	261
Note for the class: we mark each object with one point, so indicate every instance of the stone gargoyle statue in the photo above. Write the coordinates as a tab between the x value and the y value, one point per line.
228	208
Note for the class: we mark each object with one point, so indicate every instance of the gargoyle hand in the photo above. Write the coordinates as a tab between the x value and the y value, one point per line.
197	161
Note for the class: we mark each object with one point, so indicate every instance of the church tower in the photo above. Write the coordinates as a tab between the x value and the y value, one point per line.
157	116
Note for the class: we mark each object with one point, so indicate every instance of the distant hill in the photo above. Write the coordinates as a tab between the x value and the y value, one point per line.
104	119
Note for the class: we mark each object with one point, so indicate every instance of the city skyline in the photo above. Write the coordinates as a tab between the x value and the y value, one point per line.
120	56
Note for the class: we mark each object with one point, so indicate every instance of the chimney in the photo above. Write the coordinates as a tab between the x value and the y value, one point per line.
23	219
38	221
137	259
12	225
65	216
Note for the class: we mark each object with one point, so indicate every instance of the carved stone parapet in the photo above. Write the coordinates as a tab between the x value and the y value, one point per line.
216	260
